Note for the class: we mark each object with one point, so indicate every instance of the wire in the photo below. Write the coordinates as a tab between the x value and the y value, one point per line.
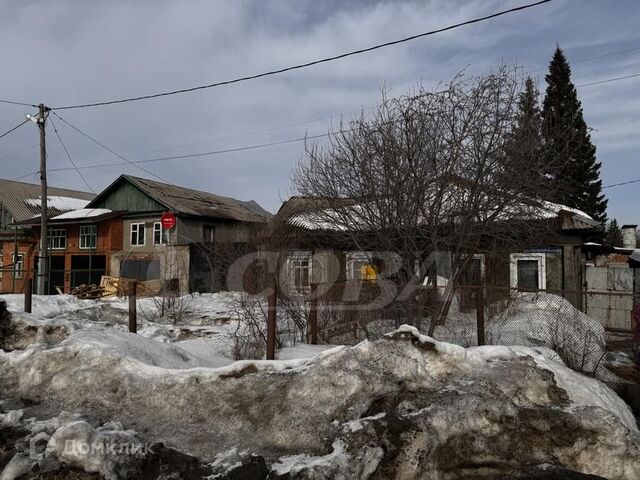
595	57
304	65
12	129
622	183
609	80
256	132
106	148
64	147
204	154
362	109
11	102
32	174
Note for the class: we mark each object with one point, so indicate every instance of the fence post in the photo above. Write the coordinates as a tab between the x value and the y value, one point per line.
480	314
28	295
272	303
313	318
133	316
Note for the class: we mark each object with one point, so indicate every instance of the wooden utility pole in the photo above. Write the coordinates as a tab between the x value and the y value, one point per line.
480	314
313	317
133	314
42	259
272	308
28	290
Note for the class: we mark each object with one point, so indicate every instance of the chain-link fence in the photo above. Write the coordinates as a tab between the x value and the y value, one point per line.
472	314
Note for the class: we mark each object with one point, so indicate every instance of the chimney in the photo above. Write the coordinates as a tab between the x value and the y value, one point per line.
629	239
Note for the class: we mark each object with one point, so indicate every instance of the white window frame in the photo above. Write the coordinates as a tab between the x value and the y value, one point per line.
164	234
55	234
18	272
542	268
140	227
1	265
292	267
82	238
356	258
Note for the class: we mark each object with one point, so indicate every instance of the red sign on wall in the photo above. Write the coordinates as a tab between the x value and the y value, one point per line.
168	220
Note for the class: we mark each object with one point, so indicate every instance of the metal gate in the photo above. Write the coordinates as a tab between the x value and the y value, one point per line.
609	296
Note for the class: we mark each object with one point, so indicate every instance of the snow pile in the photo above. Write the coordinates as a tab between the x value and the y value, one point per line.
403	406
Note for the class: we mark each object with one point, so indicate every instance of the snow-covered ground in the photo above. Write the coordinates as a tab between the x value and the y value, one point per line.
402	406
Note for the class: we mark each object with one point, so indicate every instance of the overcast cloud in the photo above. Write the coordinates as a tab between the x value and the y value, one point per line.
75	51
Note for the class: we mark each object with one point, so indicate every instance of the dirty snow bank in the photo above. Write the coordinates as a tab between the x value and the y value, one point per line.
67	444
404	405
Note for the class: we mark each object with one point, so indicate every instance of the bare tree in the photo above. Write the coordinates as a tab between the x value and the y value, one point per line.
429	172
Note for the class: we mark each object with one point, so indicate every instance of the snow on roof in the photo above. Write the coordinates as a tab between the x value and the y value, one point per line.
556	208
82	213
58	203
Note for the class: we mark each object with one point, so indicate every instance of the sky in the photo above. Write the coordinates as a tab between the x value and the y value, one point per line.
64	52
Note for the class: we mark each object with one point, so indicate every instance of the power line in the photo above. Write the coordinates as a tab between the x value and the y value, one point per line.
64	147
609	80
11	102
622	183
595	57
256	132
362	109
108	149
204	154
12	129
243	148
307	64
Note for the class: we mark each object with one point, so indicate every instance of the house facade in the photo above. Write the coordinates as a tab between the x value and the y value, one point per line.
181	258
81	244
19	244
556	262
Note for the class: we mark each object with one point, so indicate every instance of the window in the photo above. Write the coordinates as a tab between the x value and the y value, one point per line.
208	233
1	266
360	267
160	235
528	271
137	234
88	236
141	270
18	265
57	238
299	269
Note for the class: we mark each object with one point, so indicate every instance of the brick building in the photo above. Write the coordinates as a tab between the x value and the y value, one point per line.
81	243
19	202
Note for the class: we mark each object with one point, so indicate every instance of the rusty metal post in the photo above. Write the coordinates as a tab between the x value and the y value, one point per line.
133	315
313	318
28	295
272	303
480	314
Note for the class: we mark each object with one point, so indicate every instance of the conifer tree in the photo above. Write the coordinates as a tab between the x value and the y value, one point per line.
526	137
569	156
613	235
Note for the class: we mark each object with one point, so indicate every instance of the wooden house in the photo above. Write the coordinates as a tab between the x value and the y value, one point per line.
182	256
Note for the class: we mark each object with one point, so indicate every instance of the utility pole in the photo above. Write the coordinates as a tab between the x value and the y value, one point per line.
42	259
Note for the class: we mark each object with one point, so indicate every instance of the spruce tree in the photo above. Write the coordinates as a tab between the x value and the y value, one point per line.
613	235
526	138
569	156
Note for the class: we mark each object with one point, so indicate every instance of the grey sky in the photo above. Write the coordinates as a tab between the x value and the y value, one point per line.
76	51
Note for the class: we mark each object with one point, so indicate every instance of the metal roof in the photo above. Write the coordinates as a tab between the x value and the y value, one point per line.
14	196
186	201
